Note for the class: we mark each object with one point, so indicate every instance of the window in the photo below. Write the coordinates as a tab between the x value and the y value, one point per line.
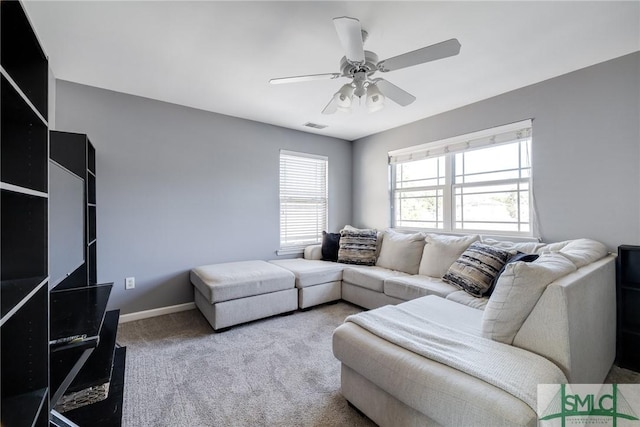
303	200
477	182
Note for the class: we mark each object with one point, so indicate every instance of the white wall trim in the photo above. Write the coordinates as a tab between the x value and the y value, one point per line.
145	314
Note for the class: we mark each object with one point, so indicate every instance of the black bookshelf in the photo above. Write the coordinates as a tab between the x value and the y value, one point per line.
628	301
24	296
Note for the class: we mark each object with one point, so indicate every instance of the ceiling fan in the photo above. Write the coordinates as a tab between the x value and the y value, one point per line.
360	65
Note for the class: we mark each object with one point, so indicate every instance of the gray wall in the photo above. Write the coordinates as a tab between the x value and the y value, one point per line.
586	151
179	187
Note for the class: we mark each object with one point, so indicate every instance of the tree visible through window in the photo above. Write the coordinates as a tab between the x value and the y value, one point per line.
478	182
303	199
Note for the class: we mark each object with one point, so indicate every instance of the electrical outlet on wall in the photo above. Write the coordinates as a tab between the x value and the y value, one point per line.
130	283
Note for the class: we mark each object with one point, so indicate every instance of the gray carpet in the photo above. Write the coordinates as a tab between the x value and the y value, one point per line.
275	372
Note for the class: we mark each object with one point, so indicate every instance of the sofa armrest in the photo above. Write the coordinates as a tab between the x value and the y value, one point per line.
574	323
313	252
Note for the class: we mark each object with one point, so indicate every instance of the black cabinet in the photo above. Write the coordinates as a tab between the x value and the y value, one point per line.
628	299
24	296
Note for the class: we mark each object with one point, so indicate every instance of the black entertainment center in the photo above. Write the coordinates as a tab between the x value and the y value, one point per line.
82	333
60	364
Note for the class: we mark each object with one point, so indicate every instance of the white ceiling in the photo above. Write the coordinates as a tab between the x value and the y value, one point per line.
219	56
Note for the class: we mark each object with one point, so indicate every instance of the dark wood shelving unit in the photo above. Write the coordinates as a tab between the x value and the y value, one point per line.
29	384
80	367
628	299
24	296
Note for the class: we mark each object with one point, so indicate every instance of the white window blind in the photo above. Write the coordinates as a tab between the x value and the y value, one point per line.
494	136
303	199
477	182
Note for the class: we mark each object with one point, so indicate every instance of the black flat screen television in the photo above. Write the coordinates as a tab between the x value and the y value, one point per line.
66	223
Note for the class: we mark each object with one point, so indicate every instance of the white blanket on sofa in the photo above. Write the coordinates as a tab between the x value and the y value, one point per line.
512	369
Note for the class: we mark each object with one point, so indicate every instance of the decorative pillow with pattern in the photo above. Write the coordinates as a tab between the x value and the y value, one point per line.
476	268
358	246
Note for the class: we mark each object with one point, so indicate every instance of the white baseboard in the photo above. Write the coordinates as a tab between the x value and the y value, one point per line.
145	314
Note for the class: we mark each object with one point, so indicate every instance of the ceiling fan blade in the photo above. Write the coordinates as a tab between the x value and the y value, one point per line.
350	34
430	53
307	78
394	93
331	107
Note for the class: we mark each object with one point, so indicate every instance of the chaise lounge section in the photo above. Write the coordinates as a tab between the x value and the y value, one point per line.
565	328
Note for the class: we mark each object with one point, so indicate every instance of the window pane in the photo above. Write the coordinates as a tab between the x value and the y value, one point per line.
419	208
487	164
420	173
492	207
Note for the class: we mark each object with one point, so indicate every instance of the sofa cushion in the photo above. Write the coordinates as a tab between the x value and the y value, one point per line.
313	252
476	268
584	251
369	277
461	297
446	312
525	247
517	257
358	246
311	272
232	280
411	287
330	246
401	251
517	292
440	251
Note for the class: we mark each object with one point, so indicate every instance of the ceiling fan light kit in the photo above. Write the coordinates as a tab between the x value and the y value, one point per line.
360	65
375	98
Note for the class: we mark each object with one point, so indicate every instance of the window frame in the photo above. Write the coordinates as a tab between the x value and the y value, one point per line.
286	248
449	148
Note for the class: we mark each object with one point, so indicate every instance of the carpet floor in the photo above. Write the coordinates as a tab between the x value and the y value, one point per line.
274	372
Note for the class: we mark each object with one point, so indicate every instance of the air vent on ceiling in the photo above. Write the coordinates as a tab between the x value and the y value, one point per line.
314	125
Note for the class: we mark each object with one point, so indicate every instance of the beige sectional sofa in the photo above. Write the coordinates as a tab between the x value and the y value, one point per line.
428	353
556	313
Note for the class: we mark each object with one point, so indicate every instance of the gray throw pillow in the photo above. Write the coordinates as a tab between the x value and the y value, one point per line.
476	268
358	246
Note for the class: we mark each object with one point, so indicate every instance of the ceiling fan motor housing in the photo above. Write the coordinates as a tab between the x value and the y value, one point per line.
369	67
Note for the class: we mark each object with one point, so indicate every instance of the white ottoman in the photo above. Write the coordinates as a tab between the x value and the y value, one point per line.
318	282
237	292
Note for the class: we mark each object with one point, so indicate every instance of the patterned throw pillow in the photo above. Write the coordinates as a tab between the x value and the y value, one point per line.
476	268
358	246
330	246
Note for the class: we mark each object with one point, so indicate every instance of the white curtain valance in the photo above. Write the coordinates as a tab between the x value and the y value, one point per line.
494	136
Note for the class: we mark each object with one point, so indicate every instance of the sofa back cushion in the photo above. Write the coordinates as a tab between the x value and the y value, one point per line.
580	251
401	252
358	246
440	251
517	292
528	247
